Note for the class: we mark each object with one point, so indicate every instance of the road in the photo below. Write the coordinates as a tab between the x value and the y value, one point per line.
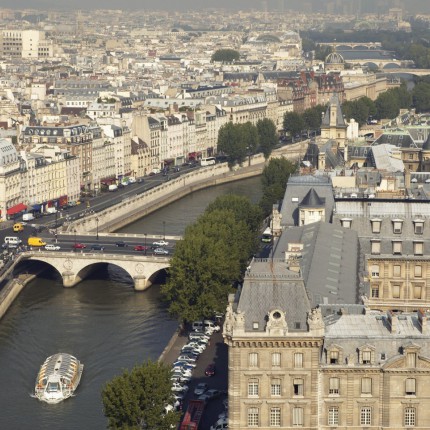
216	352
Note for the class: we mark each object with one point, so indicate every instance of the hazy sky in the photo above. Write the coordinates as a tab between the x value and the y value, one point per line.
413	6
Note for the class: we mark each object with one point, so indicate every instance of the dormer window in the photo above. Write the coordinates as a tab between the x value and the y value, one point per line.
418	226
376	225
397	226
346	222
375	246
366	355
418	247
397	247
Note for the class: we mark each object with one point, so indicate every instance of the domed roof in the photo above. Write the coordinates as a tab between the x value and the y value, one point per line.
334	58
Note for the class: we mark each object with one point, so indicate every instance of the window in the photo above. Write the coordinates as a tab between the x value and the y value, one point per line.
366	357
410	388
418	248
253	359
417	292
275	387
253	387
418	272
376	225
334	357
410	417
298	417
276	359
346	222
298	360
275	417
411	359
366	385
418	226
253	415
397	226
365	416
375	246
298	387
375	291
334	386
397	247
395	291
374	270
333	416
397	270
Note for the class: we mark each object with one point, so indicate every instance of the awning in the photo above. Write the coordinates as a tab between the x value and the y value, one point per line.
17	208
35	207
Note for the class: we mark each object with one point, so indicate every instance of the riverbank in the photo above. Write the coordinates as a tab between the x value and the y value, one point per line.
11	291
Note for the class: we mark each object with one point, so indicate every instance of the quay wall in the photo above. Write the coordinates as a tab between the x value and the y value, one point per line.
135	207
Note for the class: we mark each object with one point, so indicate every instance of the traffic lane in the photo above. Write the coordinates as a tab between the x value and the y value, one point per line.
216	352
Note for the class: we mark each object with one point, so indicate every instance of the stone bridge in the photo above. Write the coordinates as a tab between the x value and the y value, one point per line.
76	266
352	45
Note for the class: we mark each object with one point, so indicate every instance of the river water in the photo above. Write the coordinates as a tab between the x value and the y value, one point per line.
102	321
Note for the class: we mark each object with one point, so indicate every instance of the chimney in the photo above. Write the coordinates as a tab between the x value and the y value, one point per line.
393	321
422	320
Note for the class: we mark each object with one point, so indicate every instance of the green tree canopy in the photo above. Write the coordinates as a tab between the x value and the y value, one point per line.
237	141
138	398
267	136
313	117
226	55
293	123
387	105
207	262
274	180
357	109
421	96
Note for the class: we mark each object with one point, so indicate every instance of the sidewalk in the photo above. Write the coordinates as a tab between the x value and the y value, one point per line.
173	348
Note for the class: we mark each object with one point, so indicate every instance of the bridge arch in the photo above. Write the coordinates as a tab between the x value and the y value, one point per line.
371	65
73	268
391	66
361	47
343	47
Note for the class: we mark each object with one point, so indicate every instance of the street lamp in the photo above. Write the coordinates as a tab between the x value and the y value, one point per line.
74	231
97	228
164	230
145	243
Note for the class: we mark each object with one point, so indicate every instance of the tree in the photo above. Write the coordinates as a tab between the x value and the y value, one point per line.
237	141
313	117
357	109
387	105
207	262
267	136
138	398
370	105
225	55
274	180
421	96
293	123
242	209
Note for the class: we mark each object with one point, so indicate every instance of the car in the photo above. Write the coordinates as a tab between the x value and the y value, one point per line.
97	247
210	370
181	379
184	364
52	247
196	335
160	243
191	352
121	244
210	395
161	251
140	180
200	388
79	245
187	358
196	347
221	424
179	388
141	248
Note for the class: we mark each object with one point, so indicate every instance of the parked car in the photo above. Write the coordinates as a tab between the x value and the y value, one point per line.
200	388
141	248
121	244
187	358
180	388
196	347
161	251
79	245
97	247
221	424
210	395
52	247
210	370
160	243
184	364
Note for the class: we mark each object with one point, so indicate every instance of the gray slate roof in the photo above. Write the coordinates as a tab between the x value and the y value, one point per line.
297	188
269	285
340	121
329	261
312	200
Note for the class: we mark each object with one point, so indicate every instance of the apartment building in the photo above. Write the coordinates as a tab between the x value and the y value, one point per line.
31	44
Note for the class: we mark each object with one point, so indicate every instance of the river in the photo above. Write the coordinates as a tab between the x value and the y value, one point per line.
102	321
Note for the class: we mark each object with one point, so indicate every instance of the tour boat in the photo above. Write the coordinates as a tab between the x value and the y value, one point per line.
58	378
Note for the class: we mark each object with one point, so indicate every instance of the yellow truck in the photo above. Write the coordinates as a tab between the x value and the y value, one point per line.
36	241
18	227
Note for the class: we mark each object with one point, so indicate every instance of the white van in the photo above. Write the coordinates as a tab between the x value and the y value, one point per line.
12	241
28	217
210	326
197	326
